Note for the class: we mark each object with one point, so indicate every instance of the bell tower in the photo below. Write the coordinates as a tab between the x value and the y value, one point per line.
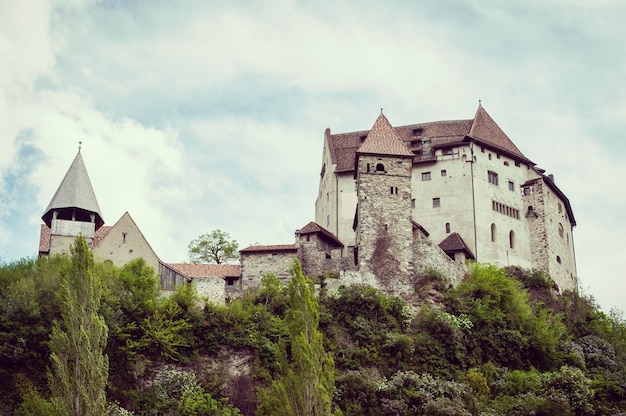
384	228
73	210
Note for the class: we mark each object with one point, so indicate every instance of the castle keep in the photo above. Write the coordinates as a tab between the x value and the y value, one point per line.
470	189
392	202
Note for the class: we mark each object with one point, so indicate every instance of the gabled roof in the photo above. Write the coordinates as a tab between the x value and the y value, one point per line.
268	249
382	139
315	228
487	131
454	243
75	191
206	270
442	134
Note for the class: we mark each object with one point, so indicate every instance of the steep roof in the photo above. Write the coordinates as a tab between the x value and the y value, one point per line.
442	134
382	139
315	228
206	270
487	131
454	243
75	191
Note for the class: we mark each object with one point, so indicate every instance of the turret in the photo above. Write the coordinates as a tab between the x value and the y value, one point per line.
73	210
384	229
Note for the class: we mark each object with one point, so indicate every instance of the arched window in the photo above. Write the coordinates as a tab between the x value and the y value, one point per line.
511	239
380	167
558	259
493	233
448	228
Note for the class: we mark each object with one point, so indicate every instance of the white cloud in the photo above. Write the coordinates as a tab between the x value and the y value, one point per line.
212	115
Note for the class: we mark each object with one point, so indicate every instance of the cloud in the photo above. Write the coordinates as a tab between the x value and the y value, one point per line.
212	115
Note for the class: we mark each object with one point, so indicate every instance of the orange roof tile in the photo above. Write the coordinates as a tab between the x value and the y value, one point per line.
382	139
44	239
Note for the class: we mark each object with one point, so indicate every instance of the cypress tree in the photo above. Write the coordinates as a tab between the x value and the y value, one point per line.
308	380
80	368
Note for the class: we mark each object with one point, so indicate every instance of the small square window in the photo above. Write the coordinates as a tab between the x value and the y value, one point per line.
436	202
511	186
443	172
425	176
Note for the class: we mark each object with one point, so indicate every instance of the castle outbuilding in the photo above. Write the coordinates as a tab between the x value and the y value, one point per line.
74	211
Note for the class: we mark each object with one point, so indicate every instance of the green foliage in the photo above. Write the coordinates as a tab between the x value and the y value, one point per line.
164	333
507	328
533	279
496	345
367	327
79	366
307	381
178	392
213	247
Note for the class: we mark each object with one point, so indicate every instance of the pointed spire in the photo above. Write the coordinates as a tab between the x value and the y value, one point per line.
383	140
75	193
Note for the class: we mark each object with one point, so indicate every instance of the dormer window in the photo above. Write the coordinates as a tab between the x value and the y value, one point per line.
417	132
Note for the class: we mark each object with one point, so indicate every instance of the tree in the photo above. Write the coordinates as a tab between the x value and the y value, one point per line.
79	372
214	247
308	380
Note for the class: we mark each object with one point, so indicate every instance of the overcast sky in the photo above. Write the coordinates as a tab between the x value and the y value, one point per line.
197	115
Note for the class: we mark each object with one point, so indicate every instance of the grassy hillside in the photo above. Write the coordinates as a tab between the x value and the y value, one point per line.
501	343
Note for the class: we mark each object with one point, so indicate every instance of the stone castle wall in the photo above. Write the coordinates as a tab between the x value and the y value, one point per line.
384	230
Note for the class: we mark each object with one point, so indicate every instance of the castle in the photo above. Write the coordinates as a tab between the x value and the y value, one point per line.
392	203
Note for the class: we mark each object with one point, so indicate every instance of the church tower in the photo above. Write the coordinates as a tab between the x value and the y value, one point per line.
73	210
384	228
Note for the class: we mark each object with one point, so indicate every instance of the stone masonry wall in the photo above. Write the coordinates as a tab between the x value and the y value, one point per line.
255	266
384	233
211	288
314	259
429	256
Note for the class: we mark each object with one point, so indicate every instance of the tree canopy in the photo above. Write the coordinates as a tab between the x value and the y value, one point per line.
216	247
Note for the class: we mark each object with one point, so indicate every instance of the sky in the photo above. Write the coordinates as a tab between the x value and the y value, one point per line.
202	115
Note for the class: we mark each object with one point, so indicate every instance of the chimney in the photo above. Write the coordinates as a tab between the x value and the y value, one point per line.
551	177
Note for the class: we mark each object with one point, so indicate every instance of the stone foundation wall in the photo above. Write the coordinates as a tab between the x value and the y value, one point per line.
429	256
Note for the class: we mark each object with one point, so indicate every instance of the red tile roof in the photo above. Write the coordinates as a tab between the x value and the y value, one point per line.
206	270
265	249
482	128
44	239
100	234
382	139
315	228
453	243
